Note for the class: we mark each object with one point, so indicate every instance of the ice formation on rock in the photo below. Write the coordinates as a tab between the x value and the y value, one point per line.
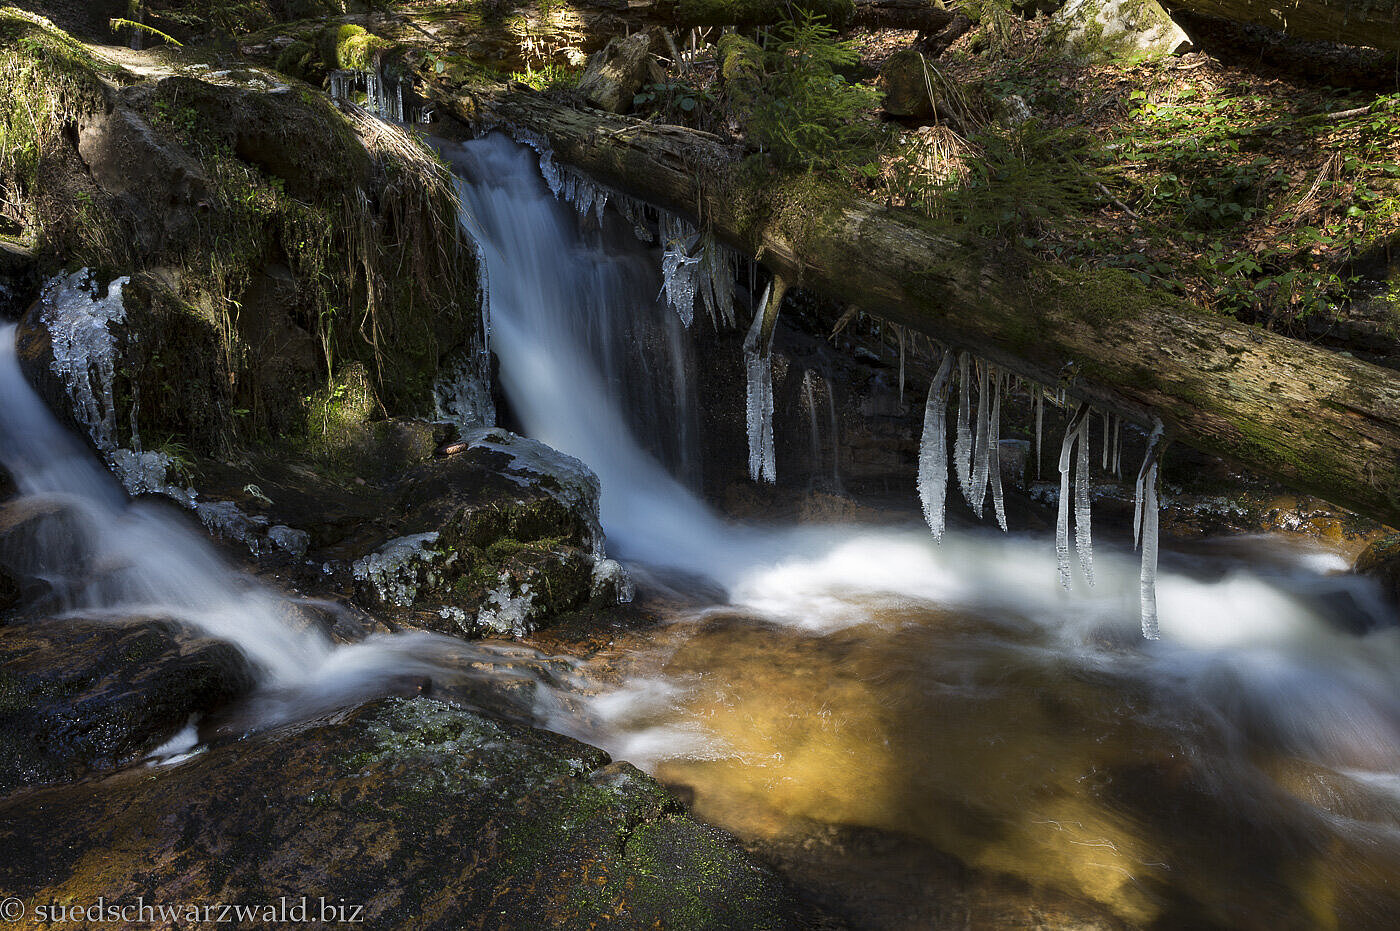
759	397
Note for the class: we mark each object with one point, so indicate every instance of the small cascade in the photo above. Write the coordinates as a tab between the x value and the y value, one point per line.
819	402
835	426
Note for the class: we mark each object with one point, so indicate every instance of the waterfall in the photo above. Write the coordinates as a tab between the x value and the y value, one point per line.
574	319
104	555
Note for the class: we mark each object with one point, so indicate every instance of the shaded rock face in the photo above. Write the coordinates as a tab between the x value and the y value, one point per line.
1108	28
615	74
1381	561
904	79
427	815
19	280
79	695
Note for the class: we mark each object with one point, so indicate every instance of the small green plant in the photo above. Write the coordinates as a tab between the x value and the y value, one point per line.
179	460
807	114
676	100
546	76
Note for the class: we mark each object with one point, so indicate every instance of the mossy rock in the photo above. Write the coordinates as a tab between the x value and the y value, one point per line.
427	815
1099	30
905	80
240	209
351	47
300	60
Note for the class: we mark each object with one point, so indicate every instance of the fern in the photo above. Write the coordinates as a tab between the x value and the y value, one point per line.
119	23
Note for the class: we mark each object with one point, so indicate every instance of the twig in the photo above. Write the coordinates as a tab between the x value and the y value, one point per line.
1116	202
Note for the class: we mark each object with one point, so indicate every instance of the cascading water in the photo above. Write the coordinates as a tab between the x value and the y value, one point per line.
954	693
103	555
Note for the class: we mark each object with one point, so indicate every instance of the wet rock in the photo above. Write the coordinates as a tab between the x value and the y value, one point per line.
78	695
498	534
1102	29
19	279
43	542
427	815
615	74
1381	561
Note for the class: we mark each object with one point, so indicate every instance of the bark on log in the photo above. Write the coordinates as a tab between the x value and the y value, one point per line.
1373	23
1325	423
515	33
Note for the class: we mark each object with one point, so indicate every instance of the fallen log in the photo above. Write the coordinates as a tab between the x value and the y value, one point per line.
1320	421
513	34
1372	23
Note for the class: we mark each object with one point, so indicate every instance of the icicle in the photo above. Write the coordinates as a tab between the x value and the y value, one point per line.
962	444
1062	521
1083	542
1118	446
982	454
835	437
809	400
1147	576
762	462
1039	422
933	450
900	331
994	442
1107	432
679	269
1148	459
718	268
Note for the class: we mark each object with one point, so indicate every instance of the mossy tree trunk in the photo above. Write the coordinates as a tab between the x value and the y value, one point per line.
1374	23
1323	422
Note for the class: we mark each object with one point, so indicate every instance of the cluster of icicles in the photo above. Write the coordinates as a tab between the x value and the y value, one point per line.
695	266
978	469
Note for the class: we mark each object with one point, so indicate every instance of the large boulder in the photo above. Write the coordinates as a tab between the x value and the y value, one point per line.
415	814
617	72
1101	29
497	535
79	695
